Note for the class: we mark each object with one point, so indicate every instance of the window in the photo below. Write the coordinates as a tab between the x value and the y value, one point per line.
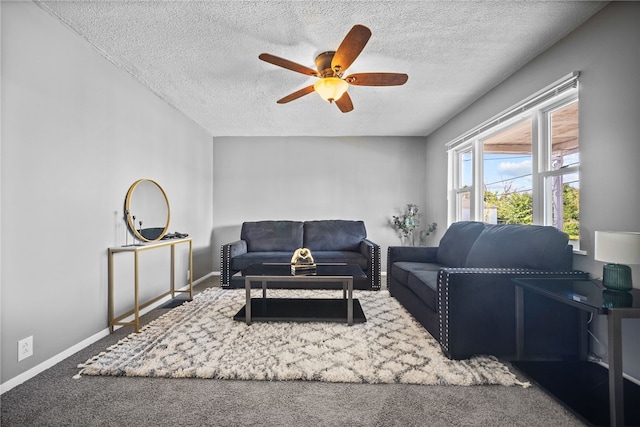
522	167
463	170
561	176
507	175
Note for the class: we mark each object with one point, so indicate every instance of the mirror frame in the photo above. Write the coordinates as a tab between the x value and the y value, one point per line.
127	210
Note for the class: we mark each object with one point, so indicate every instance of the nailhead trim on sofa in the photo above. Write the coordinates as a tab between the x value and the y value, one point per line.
443	290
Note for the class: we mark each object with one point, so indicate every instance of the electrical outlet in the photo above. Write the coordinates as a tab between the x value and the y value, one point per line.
25	348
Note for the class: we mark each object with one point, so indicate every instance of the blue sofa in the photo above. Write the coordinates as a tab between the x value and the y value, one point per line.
462	290
330	241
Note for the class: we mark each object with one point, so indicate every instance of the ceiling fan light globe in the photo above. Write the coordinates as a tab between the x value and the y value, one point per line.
331	88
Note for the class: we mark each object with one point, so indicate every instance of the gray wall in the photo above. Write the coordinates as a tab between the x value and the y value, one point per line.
306	178
605	51
76	133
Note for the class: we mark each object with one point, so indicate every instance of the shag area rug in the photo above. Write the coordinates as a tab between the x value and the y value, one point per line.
199	339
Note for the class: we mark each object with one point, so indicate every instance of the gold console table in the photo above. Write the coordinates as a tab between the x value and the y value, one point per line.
113	320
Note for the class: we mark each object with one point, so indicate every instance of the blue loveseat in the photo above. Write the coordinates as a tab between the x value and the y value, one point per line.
330	241
462	293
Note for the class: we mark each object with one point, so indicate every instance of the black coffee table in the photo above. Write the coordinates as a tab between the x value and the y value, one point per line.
338	276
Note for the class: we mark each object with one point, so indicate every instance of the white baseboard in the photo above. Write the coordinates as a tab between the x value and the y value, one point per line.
15	381
162	301
27	375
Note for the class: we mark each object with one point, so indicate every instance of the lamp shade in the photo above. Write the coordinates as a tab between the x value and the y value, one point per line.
617	247
331	88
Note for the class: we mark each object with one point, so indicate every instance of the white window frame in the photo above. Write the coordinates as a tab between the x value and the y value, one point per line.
545	171
536	108
456	187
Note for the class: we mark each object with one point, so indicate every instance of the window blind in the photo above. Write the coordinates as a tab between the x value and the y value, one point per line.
569	81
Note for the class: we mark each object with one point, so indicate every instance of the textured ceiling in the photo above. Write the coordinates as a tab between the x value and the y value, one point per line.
202	56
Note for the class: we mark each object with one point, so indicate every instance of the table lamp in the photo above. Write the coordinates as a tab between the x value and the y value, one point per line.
616	249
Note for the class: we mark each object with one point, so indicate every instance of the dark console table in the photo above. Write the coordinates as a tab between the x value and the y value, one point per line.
575	383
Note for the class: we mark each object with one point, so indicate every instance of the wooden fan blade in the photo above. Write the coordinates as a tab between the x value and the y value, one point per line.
289	65
344	103
377	79
297	94
350	48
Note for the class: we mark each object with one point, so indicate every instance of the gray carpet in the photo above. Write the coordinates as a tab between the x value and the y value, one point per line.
54	398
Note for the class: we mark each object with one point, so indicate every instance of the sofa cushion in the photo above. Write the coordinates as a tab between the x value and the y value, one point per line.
334	235
421	278
348	257
519	246
400	270
424	284
267	236
243	261
457	242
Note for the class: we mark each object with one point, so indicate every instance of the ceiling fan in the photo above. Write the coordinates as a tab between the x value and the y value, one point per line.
332	86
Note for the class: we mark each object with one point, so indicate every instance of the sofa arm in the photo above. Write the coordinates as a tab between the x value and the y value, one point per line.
372	251
410	254
476	310
227	252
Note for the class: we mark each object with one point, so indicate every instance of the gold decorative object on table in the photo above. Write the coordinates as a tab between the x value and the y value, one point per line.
302	262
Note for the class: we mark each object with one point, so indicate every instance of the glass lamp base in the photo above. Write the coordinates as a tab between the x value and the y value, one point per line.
615	299
617	277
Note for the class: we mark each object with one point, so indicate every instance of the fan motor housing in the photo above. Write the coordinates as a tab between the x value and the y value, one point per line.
323	64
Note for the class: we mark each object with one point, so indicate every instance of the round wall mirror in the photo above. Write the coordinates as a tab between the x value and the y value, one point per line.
146	209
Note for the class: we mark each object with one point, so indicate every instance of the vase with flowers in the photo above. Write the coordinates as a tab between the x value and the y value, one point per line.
407	223
424	233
